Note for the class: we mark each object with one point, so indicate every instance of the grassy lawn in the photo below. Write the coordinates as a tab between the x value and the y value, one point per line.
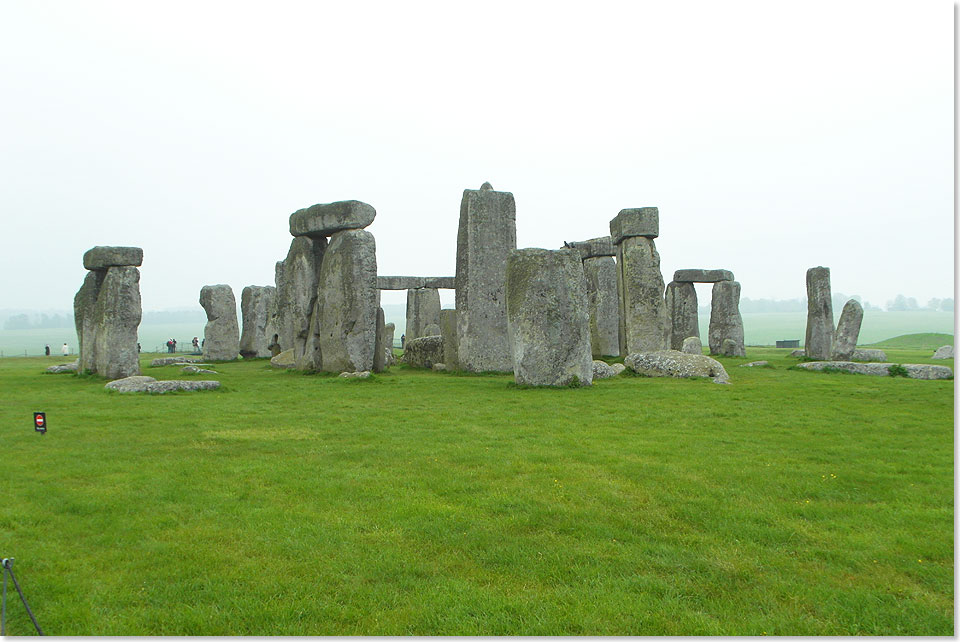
788	503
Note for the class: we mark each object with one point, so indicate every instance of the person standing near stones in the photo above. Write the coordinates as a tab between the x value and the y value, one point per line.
196	344
46	350
65	349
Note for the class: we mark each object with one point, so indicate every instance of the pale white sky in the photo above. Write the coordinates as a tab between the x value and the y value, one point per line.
773	136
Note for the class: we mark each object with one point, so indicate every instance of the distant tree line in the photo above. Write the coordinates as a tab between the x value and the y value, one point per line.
899	304
905	304
42	321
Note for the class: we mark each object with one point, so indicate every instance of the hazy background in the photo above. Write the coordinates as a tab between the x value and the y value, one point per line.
773	136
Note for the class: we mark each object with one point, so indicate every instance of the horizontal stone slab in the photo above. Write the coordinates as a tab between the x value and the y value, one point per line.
138	383
913	370
702	276
592	248
415	282
639	221
102	257
325	219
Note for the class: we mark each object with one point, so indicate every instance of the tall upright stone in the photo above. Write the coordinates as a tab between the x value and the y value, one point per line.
548	318
644	325
345	316
256	306
487	234
448	330
118	315
818	343
297	291
600	273
681	301
423	309
85	318
848	331
380	362
389	331
221	335
726	324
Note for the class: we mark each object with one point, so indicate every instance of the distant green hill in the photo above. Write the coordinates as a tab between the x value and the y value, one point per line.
920	341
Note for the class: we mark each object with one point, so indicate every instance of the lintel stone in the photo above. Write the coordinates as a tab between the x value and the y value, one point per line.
639	221
326	218
592	248
102	257
702	276
415	282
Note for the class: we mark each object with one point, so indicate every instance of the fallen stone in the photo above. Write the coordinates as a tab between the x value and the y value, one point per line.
943	352
603	370
692	345
671	363
439	367
640	221
848	331
64	367
644	324
867	354
102	257
222	333
197	370
914	371
725	320
328	218
423	309
594	248
448	330
548	318
284	360
797	353
618	367
702	276
924	371
423	352
256	303
151	385
681	302
486	235
432	330
819	335
117	315
363	374
754	364
135	383
174	361
603	304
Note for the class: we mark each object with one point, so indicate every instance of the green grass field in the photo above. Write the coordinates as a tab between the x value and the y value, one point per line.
788	503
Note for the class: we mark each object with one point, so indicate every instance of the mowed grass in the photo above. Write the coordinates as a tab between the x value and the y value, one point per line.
919	341
788	503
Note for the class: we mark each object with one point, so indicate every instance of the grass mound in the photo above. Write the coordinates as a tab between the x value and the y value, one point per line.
919	341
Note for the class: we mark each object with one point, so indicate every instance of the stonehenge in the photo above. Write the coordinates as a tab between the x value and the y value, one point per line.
415	282
848	331
423	309
681	302
818	343
547	318
221	335
256	305
486	235
448	330
107	312
726	324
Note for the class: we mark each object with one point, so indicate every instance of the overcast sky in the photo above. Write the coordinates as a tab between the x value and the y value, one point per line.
773	136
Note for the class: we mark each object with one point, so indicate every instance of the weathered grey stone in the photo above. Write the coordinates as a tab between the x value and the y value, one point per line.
197	370
487	234
548	318
85	319
603	370
174	361
423	309
818	343
64	367
389	331
439	367
864	354
284	360
593	248
102	257
692	345
644	324
414	282
448	330
848	331
755	364
702	276
380	361
117	318
344	325
423	352
618	367
640	221
729	348
151	385
601	278
221	335
274	326
681	301
327	218
797	353
943	352
725	319
296	294
256	303
671	363
363	374
914	370
432	330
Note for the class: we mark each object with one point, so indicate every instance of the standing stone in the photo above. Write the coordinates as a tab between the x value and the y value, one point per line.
487	234
117	317
692	345
380	362
432	330
725	320
448	330
681	302
943	352
548	318
423	309
848	331
818	343
602	299
345	317
85	318
644	324
389	331
221	334
256	303
297	292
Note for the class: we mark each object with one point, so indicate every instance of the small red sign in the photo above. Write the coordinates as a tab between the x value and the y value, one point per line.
40	421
